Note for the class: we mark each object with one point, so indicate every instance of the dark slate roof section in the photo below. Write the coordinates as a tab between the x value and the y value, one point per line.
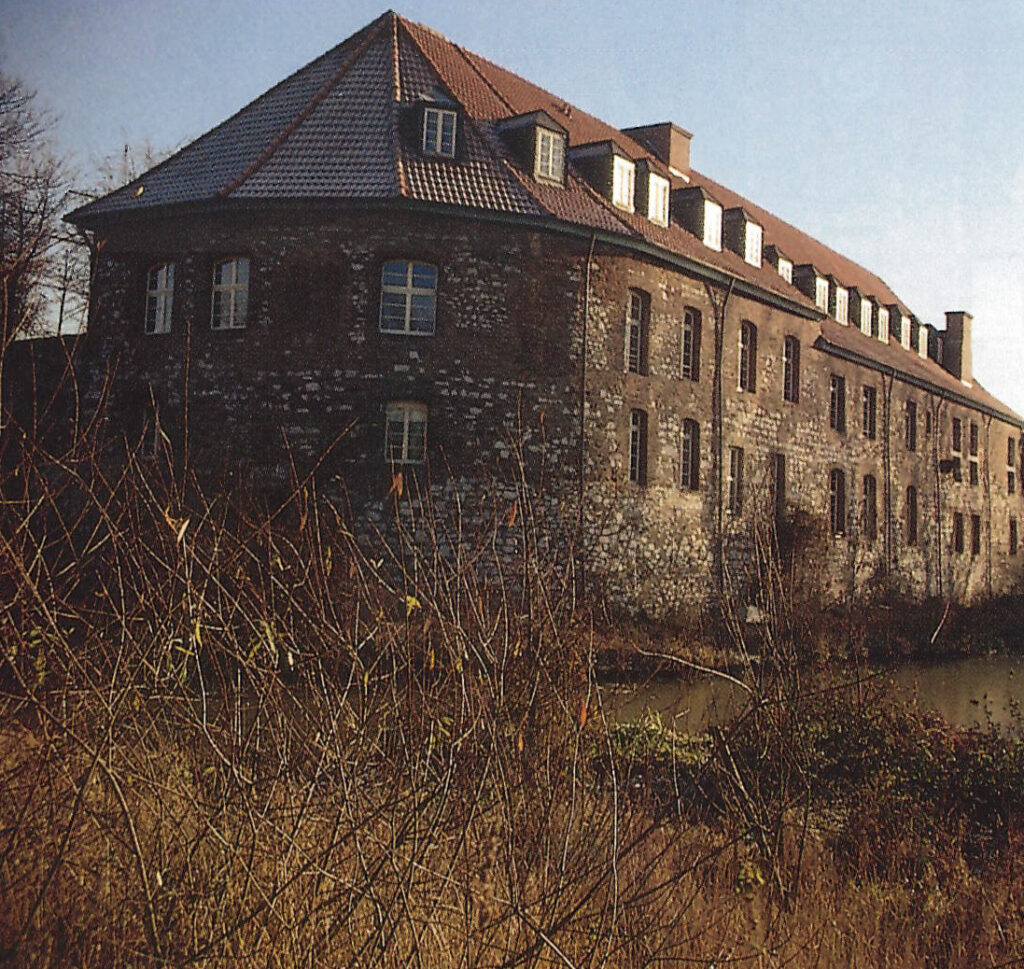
336	129
204	168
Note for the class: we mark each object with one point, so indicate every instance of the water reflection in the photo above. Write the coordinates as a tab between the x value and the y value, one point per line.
967	692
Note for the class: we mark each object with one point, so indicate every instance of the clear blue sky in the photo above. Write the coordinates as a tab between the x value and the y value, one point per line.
892	131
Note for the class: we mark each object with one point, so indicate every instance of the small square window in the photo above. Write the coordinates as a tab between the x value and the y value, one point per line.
439	132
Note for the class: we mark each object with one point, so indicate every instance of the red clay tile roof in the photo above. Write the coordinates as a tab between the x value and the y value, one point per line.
333	130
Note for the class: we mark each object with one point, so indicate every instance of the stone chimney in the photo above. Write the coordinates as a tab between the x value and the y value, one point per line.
956	345
667	142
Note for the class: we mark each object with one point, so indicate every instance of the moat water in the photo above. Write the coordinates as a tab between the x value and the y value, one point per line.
969	692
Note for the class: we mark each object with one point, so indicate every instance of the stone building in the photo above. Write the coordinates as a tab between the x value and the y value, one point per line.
404	257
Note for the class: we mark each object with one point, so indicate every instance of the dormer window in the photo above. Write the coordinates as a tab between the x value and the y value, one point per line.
883	324
439	132
786	269
623	183
865	317
712	225
905	331
754	236
842	305
549	163
821	293
657	199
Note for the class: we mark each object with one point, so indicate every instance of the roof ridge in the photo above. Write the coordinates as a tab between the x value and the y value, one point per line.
373	33
396	82
480	74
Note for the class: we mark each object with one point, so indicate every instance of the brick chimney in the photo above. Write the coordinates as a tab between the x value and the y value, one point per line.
956	345
667	142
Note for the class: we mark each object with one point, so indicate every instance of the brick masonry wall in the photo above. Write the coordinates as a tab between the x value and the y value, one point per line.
312	370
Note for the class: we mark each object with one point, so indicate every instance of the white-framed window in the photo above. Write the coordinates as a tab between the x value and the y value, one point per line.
842	305
638	447
883	324
821	293
735	480
230	303
408	297
623	183
865	317
550	161
786	269
637	328
439	132
712	225
922	341
689	456
689	364
753	243
405	433
159	298
905	332
657	199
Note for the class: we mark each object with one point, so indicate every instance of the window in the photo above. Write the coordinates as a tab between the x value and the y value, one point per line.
550	161
821	293
748	357
837	501
958	532
957	437
870	508
638	314
1011	465
837	403
752	246
927	423
712	225
975	535
1013	536
159	298
791	369
689	367
905	332
230	294
883	324
405	433
408	298
866	317
911	515
910	425
623	183
439	132
735	480
786	269
689	456
869	413
972	458
638	447
842	307
657	199
778	486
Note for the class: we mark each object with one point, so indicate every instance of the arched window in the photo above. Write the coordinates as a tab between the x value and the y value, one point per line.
408	298
689	456
159	298
837	501
748	357
689	368
637	327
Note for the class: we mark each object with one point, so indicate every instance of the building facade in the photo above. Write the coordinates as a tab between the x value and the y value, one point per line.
405	258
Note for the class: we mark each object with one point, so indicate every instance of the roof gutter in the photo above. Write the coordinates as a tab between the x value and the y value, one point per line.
541	223
833	349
